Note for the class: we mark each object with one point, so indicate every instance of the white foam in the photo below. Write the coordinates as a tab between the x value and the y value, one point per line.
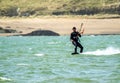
30	48
107	51
92	35
39	55
22	64
5	79
51	43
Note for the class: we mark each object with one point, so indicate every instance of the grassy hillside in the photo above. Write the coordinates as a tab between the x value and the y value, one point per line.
58	7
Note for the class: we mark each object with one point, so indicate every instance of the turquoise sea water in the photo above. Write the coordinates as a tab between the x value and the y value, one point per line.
48	59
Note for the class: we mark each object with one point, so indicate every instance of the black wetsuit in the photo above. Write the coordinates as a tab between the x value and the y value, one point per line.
75	37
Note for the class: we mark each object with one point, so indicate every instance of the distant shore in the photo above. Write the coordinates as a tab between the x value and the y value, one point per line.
62	26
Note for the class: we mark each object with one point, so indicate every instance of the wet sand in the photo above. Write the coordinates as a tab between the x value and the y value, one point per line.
63	26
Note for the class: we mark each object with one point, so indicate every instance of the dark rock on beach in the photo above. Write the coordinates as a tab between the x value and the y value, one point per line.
2	30
42	33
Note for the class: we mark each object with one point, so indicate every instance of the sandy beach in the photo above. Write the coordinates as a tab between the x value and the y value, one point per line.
63	26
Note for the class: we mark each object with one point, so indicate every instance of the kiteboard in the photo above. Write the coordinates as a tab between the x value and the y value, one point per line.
74	53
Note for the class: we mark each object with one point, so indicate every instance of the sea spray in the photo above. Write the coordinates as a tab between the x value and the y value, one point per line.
107	51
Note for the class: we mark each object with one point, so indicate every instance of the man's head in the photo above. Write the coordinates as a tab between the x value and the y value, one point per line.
74	29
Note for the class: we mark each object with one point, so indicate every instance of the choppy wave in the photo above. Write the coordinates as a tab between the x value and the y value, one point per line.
48	59
5	79
107	51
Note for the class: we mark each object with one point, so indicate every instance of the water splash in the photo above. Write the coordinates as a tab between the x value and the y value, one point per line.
107	51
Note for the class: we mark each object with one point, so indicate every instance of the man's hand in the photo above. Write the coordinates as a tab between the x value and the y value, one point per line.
82	31
72	40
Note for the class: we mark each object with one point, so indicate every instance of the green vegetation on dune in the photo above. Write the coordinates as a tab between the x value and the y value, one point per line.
58	7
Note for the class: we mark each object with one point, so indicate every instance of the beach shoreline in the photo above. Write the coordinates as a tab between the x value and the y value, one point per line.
62	26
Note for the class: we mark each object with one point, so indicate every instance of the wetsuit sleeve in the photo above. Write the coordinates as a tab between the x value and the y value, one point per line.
79	34
71	36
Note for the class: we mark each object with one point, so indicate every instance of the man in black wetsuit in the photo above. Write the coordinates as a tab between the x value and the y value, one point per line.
74	37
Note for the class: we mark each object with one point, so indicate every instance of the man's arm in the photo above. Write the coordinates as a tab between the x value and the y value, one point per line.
79	34
82	31
71	38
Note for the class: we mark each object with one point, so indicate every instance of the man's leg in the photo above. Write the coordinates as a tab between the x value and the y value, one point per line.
75	49
75	44
80	46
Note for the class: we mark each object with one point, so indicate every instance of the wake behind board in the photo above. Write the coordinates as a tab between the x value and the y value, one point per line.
74	53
